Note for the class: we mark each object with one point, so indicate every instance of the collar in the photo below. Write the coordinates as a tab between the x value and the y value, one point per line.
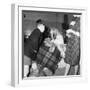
74	32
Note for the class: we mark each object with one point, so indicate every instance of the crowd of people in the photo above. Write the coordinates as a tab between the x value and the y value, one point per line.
45	50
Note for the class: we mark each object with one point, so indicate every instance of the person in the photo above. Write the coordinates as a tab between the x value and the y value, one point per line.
35	66
50	54
32	46
72	54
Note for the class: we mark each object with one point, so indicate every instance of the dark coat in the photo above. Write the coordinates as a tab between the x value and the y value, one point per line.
32	45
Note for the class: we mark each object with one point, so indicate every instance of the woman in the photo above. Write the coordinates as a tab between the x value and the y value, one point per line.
72	55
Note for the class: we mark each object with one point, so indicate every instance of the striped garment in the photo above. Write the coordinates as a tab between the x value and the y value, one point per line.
72	55
48	59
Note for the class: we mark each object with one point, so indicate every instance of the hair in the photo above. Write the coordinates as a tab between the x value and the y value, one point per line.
54	32
76	26
39	21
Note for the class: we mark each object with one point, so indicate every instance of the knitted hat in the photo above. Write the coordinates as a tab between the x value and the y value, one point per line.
75	23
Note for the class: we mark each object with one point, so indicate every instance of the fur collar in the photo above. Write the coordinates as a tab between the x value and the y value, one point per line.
74	32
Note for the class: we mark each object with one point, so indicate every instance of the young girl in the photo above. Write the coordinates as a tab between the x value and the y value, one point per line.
50	53
58	40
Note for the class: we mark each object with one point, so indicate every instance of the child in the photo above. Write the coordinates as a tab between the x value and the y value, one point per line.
49	54
58	40
32	46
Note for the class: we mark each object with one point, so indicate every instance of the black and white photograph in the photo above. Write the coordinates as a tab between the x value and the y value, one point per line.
47	44
51	44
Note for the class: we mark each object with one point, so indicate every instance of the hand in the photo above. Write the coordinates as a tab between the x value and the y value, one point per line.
63	54
51	49
48	42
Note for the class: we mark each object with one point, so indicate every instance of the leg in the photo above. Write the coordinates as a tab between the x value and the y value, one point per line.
76	69
27	65
78	72
67	69
29	71
26	68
